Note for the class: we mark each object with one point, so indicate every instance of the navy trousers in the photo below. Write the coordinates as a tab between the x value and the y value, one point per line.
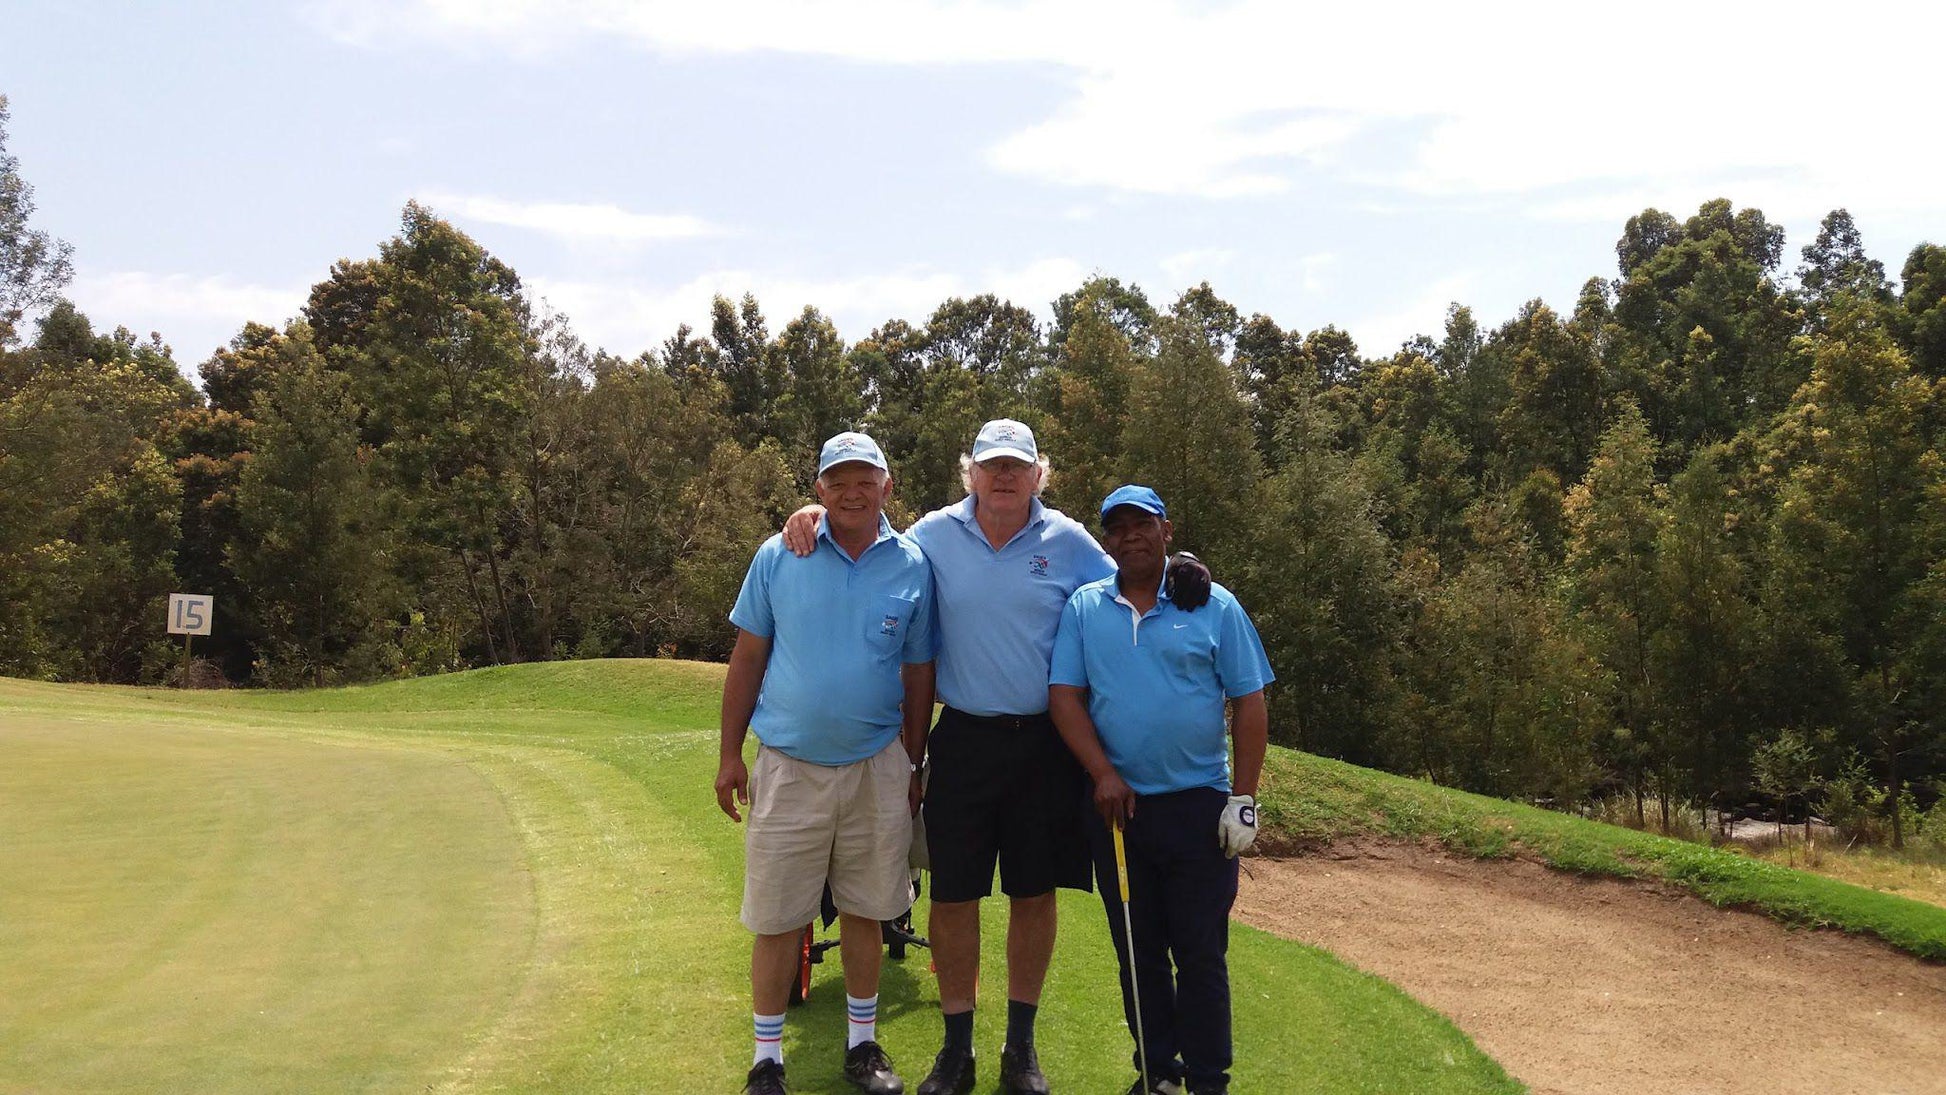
1181	888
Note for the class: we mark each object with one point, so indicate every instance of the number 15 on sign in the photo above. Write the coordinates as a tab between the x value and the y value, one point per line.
189	613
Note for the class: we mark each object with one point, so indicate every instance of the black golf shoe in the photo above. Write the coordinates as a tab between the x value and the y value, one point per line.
766	1078
1020	1072
1159	1086
867	1066
952	1074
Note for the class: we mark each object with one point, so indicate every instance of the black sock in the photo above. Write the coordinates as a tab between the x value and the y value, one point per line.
959	1031
1020	1023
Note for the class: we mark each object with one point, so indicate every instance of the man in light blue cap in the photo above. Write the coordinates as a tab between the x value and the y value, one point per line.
1138	686
1004	791
832	670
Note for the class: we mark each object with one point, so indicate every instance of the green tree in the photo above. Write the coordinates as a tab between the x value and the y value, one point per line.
310	556
1554	406
821	392
1086	403
1126	307
995	340
1712	275
1859	524
1503	697
1921	317
1195	450
743	363
85	545
1701	653
34	266
436	337
1613	524
1318	582
1836	262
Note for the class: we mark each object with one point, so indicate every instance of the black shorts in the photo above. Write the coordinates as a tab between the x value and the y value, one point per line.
1004	790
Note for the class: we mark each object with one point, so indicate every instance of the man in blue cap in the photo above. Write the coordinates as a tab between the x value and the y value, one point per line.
833	672
1004	792
1138	687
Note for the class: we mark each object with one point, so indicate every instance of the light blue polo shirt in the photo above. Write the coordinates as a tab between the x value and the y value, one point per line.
998	609
839	629
1156	683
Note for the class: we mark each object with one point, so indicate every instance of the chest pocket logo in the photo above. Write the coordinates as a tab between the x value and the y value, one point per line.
886	626
1037	566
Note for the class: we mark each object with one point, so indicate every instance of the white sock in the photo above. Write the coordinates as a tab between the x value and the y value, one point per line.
861	1019
770	1038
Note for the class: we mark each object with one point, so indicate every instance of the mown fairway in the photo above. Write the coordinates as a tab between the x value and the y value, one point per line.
514	879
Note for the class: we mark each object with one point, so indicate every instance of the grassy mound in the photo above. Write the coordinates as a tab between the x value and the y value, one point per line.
1309	799
508	880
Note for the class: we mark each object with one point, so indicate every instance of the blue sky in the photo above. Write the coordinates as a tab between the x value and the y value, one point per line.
1364	165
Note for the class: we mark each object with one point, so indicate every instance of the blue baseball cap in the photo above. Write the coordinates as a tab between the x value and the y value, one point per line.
1133	495
848	447
1005	437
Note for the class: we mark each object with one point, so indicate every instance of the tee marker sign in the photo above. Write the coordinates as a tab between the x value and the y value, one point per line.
189	613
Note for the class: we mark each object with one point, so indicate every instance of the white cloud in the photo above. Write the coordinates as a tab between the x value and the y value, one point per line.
1424	313
195	314
170	303
1193	266
1313	271
1224	101
628	318
571	221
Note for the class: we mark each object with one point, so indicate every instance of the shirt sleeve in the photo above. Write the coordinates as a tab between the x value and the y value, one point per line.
752	610
1091	563
1241	666
1068	666
922	638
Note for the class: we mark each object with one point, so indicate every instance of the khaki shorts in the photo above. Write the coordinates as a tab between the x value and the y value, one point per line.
811	824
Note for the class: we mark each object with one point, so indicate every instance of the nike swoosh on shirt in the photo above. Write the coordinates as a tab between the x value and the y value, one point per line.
1179	627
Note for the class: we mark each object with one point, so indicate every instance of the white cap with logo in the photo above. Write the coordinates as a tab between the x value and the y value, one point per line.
1005	437
847	447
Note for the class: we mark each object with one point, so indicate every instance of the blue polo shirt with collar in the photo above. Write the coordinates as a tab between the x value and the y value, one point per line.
998	609
1157	682
839	630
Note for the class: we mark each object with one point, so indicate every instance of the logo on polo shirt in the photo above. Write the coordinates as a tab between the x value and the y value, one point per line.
889	626
1037	566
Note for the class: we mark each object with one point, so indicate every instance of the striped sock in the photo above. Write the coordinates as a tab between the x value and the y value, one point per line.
862	1019
770	1038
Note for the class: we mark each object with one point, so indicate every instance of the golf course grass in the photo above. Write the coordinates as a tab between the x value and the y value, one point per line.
513	879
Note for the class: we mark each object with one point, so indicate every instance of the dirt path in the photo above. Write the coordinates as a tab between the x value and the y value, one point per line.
1585	986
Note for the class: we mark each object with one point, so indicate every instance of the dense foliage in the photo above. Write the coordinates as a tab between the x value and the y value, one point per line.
1658	546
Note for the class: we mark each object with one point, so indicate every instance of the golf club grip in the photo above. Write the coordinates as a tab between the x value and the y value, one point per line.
1121	864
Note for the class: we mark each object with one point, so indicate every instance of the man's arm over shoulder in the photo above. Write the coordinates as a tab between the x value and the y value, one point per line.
1090	562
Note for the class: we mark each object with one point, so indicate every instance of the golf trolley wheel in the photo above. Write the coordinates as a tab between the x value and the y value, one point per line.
801	984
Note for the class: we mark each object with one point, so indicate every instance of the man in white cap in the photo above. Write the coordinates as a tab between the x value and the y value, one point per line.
833	672
1003	788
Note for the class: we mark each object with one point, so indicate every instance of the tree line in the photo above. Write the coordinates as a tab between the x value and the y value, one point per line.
1682	546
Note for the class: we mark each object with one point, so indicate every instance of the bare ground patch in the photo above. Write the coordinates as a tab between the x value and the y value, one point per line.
1588	986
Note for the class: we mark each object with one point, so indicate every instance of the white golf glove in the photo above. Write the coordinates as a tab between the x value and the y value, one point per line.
1236	831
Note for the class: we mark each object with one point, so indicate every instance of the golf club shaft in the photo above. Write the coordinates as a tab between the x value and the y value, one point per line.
1128	939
